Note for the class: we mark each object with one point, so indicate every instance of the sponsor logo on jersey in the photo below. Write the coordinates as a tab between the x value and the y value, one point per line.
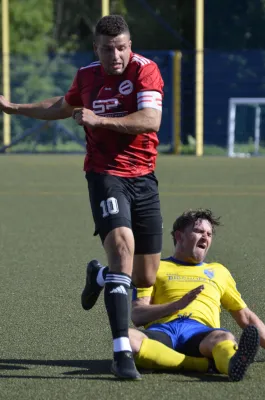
109	108
186	278
209	273
126	87
103	106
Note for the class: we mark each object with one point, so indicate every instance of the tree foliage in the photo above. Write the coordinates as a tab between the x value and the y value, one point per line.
170	24
43	32
66	25
235	25
31	26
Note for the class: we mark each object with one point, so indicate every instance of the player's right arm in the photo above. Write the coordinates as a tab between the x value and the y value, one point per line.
144	312
60	107
49	109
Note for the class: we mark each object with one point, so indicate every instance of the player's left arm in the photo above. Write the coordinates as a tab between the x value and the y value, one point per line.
142	121
247	317
149	89
232	301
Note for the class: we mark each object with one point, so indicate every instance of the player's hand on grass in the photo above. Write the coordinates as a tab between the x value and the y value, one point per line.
84	116
5	105
189	297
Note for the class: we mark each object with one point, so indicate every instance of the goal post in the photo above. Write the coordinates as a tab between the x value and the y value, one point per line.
234	102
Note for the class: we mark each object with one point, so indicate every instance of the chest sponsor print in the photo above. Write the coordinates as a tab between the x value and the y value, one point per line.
126	87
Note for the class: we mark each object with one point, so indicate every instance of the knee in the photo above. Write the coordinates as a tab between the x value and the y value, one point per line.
145	269
122	249
219	336
208	343
144	281
136	337
224	335
119	246
123	244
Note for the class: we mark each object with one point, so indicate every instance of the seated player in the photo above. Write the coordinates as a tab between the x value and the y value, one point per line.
181	312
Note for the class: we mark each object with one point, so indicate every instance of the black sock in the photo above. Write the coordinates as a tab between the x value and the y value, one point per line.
116	302
106	271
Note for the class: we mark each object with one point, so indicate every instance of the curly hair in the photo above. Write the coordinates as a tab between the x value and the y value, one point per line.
189	217
111	25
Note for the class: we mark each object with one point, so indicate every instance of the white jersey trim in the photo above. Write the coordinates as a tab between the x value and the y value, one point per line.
93	64
149	99
140	59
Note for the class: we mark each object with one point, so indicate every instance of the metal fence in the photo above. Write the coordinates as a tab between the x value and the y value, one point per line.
34	80
226	74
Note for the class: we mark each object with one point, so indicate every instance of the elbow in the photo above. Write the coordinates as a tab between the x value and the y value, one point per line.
152	124
245	319
244	323
153	127
63	114
156	128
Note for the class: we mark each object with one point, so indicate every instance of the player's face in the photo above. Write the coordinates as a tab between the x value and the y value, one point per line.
113	52
196	240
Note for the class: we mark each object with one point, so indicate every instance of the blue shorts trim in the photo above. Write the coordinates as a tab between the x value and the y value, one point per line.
181	330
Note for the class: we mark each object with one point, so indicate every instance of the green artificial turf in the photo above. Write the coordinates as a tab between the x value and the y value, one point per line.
49	347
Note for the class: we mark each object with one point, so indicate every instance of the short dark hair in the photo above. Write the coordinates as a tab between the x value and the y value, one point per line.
111	25
191	216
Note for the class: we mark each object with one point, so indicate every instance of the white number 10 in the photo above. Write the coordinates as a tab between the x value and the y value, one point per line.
109	206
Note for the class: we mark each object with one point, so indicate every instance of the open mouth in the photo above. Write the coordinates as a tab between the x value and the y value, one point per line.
202	246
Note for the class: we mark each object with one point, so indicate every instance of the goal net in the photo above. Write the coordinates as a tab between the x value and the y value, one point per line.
246	129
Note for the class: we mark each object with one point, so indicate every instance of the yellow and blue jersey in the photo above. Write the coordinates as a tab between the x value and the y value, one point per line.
175	279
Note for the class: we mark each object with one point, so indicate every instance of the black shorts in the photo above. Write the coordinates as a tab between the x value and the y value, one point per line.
161	337
130	202
191	348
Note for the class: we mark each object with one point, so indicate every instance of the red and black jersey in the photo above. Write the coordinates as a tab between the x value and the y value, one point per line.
140	86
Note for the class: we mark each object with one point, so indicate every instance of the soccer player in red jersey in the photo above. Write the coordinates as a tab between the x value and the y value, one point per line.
118	101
